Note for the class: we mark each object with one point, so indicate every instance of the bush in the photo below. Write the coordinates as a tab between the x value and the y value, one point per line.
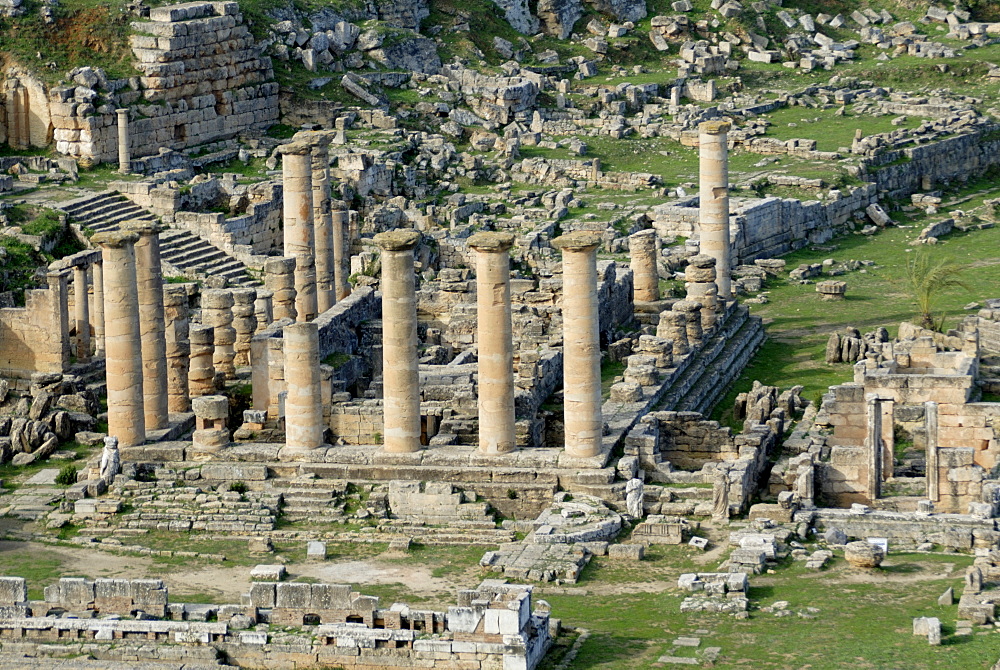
67	475
238	487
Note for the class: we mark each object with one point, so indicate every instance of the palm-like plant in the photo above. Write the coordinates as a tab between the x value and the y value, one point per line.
927	278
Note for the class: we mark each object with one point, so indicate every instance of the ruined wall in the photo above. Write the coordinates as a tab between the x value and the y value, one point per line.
897	174
689	441
203	80
24	110
35	338
770	227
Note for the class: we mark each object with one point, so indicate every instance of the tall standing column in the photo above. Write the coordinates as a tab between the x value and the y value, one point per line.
581	344
326	296
296	168
339	219
713	212
149	276
873	447
933	481
303	405
123	153
177	317
642	260
98	311
82	313
400	377
496	346
126	419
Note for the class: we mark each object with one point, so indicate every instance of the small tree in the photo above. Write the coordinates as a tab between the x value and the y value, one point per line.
928	278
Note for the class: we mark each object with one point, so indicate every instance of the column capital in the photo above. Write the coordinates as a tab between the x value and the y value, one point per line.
142	227
647	235
401	239
299	148
123	110
491	242
581	240
714	127
115	239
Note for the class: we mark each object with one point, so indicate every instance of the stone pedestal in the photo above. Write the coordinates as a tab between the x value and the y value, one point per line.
210	432
98	311
692	313
645	277
279	278
176	315
154	347
201	372
832	289
496	347
300	241
303	406
126	419
713	214
217	312
400	378
581	344
123	141
244	323
81	313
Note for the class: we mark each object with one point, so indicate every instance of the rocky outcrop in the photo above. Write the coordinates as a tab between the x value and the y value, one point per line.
402	13
559	16
518	15
416	54
622	10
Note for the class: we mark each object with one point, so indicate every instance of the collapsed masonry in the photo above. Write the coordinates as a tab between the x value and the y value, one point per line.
320	625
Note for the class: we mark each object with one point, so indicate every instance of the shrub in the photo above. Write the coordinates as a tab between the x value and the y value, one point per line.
238	487
67	475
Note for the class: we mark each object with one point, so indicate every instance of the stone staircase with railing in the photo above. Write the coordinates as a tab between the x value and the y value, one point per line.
189	254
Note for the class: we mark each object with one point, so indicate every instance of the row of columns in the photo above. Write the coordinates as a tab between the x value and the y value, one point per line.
314	232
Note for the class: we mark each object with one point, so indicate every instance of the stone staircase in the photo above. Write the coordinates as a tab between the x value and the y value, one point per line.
989	373
187	253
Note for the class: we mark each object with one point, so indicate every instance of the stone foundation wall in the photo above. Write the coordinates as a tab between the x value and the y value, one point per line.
689	441
203	80
908	530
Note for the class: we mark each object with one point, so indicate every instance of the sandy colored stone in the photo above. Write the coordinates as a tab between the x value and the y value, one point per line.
299	234
713	213
303	406
642	255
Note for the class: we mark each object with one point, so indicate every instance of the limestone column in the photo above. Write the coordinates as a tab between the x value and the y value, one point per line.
581	344
300	239
700	276
303	405
713	212
126	419
341	252
275	376
217	311
154	346
98	311
673	327
400	378
873	448
244	323
642	255
123	153
263	309
496	346
692	312
279	278
82	313
177	315
931	428
325	265
201	371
